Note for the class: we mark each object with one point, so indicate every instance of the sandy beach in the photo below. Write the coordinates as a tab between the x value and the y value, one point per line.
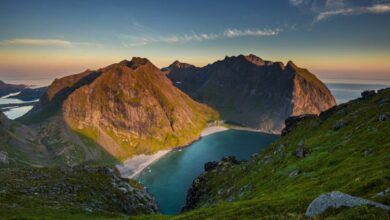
212	130
134	166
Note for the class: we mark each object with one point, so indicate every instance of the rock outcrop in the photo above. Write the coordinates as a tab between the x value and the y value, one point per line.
337	200
254	92
198	190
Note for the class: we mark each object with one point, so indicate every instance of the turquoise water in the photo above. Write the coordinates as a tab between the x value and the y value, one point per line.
169	178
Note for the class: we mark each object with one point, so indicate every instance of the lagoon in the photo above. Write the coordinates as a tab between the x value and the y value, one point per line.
169	178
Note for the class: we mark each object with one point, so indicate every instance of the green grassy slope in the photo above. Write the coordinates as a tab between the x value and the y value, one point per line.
63	193
354	159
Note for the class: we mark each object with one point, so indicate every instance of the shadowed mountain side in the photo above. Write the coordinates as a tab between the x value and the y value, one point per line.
29	94
6	88
253	92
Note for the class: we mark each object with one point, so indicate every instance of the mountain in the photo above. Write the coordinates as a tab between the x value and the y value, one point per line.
345	148
6	89
128	108
177	65
30	94
253	92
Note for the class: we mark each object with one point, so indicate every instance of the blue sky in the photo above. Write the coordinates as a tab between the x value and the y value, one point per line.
333	38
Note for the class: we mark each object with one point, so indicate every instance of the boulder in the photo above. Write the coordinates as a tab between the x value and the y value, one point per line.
368	94
301	151
210	166
230	160
4	158
337	199
339	124
383	116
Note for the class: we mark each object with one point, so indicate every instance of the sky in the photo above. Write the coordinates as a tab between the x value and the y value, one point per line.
336	39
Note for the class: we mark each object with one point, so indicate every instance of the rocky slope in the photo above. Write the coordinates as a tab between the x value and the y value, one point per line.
6	88
63	192
345	148
127	108
253	92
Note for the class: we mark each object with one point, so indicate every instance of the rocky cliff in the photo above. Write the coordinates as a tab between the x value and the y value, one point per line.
253	92
127	108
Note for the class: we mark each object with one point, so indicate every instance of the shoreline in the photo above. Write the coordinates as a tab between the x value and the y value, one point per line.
132	167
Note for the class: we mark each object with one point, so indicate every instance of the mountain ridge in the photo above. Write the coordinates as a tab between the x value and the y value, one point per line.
262	94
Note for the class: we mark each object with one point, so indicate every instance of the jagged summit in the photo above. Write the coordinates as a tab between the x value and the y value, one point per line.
177	65
251	58
135	62
290	64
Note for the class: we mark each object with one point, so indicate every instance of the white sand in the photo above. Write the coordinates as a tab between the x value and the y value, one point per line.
134	166
212	130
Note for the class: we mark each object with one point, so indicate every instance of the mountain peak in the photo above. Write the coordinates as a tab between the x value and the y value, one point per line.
255	59
251	58
135	62
177	65
292	65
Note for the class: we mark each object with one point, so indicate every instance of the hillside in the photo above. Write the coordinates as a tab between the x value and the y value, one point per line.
49	144
346	149
6	88
30	94
253	92
53	193
127	108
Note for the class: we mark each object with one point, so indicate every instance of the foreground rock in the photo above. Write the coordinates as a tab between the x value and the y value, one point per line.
253	92
336	200
89	189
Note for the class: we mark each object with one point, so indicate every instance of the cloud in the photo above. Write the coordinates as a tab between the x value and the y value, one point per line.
228	33
46	42
297	2
232	33
374	9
